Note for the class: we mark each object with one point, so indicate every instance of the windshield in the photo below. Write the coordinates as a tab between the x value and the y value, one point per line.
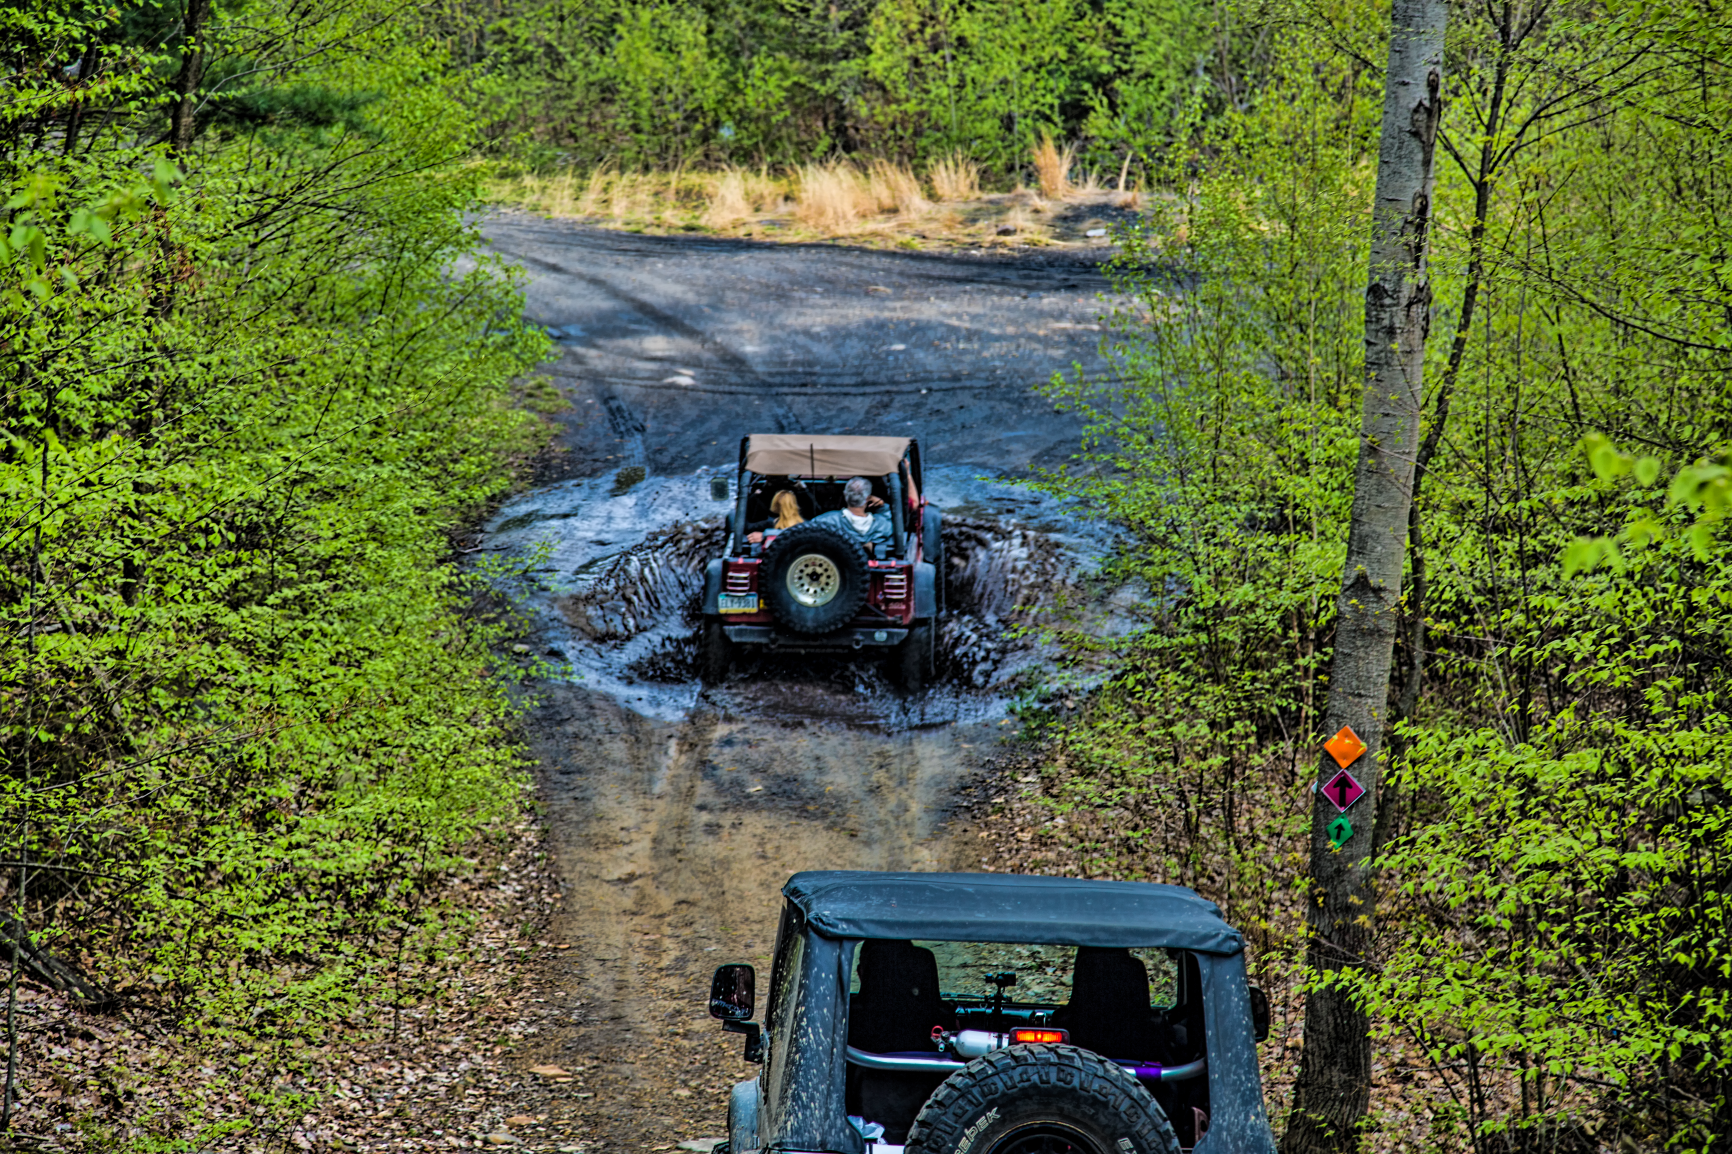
1043	973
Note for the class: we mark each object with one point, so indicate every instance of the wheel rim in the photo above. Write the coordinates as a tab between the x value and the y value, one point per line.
814	580
1045	1138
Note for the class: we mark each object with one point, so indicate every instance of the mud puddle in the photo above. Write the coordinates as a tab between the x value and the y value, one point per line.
610	570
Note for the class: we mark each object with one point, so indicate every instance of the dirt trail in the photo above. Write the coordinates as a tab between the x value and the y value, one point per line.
673	840
675	814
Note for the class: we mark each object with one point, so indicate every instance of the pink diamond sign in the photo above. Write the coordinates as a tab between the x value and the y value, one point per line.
1343	790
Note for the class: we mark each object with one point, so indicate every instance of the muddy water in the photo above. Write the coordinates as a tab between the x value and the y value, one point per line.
610	569
678	812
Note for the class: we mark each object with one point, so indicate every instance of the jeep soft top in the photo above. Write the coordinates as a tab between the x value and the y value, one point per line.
998	1014
819	587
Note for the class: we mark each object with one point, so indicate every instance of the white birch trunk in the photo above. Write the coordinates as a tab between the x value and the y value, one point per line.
1334	1086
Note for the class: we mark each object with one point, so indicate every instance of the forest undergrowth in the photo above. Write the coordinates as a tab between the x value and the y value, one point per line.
254	722
1550	969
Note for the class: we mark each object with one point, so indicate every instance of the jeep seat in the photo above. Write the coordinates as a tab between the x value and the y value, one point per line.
1109	1010
898	1003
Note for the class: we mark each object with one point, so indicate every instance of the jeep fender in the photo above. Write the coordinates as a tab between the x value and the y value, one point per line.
925	594
712	586
743	1118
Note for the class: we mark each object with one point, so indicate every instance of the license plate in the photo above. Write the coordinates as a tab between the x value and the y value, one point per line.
737	603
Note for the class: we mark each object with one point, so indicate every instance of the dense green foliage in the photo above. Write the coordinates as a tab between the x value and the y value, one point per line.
256	373
247	720
783	81
1554	840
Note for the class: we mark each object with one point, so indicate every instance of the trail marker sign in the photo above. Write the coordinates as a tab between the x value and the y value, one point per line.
1343	790
1339	831
1345	747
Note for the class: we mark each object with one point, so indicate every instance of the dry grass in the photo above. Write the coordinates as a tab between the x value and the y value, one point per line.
1018	218
731	202
740	193
1052	165
870	202
608	194
767	193
1089	185
954	177
833	197
894	186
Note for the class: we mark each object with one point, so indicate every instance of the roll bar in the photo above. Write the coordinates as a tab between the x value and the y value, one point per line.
937	1064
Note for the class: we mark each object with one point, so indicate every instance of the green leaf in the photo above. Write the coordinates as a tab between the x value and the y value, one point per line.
1645	530
1702	539
1583	555
1607	462
88	222
164	176
1647	470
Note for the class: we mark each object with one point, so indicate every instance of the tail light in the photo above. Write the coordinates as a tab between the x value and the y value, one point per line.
737	581
895	585
1039	1034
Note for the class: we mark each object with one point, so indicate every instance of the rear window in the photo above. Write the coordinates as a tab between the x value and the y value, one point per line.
1043	973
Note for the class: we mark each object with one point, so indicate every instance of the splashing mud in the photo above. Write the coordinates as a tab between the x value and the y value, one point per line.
611	574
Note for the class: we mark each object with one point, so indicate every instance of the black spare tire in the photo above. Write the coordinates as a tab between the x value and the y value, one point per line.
815	578
1041	1099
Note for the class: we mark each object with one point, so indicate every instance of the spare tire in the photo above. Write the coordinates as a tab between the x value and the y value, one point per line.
1041	1099
815	578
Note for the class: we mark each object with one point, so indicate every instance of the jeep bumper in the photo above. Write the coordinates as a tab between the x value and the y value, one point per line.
853	637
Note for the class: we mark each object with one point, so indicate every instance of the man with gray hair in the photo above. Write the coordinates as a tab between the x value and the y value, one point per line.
863	517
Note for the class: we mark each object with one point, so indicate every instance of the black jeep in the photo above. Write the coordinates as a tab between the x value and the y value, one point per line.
815	586
998	1014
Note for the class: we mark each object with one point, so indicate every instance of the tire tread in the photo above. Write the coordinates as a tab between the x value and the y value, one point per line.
1005	1073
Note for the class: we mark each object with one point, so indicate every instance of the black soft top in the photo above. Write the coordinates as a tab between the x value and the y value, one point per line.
1009	908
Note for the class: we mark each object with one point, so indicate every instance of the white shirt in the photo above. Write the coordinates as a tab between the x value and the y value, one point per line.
861	521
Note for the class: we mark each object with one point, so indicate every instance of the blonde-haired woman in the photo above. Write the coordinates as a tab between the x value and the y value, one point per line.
785	510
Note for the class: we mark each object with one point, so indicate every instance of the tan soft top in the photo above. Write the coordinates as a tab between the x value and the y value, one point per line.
802	455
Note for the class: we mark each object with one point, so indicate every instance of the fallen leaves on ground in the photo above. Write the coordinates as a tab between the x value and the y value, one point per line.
436	1076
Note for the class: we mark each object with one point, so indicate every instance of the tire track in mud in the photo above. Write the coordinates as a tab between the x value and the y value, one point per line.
703	336
781	415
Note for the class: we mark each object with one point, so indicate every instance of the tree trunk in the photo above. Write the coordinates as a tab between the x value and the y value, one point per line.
1491	156
1334	1086
186	83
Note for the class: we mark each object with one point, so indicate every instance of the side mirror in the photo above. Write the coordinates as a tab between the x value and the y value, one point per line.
718	488
1259	1013
732	993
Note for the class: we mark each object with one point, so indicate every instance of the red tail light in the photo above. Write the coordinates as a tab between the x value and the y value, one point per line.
895	585
740	575
1042	1034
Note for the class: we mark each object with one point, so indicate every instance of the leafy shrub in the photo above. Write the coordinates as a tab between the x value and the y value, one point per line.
248	716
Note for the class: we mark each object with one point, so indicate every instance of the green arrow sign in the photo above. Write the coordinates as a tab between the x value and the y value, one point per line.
1339	831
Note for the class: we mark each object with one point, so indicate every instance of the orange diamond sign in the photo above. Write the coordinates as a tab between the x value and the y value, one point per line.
1345	747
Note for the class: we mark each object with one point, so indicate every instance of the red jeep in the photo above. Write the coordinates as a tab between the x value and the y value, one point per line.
815	587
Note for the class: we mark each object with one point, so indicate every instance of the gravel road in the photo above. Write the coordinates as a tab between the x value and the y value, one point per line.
673	347
677	813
